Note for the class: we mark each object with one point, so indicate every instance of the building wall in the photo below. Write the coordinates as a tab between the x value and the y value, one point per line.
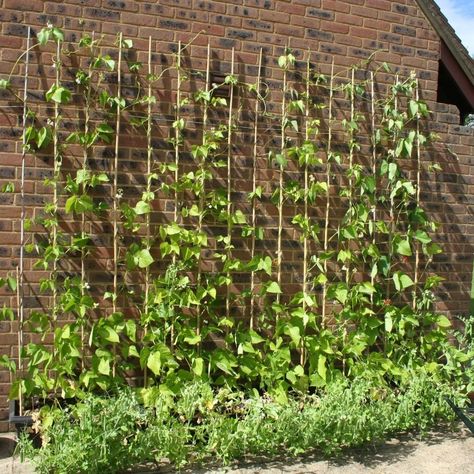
347	32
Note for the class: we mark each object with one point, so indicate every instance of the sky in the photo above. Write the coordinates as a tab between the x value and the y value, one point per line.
460	14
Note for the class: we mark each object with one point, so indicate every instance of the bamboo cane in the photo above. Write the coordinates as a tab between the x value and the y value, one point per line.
177	138
21	268
115	182
56	170
85	159
202	190
280	183
374	170
391	227
351	199
306	179
149	154
351	182
328	184
418	190
306	210
115	194
254	188
229	185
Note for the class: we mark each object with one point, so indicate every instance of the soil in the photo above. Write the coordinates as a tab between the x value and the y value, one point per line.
438	452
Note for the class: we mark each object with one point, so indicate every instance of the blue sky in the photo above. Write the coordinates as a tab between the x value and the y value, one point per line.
460	14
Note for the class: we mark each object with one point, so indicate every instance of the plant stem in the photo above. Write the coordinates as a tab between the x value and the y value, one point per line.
202	191
306	179
306	211
229	186
85	158
21	268
280	183
56	171
417	198
351	183
374	171
328	194
177	138
391	227
254	188
149	154
115	194
115	183
351	209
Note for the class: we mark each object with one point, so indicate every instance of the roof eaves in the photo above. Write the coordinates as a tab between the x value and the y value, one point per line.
446	32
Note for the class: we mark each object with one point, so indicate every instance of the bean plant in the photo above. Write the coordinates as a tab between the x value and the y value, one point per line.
364	305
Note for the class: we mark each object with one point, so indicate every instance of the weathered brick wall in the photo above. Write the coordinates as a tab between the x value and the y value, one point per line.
348	31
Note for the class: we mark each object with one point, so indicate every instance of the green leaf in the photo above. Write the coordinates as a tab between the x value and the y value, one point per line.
110	334
12	283
4	84
281	160
198	366
58	34
322	369
60	95
413	107
8	188
154	362
422	237
402	281
238	217
403	248
274	288
193	339
443	322
104	367
265	264
142	207
388	322
392	171
43	36
43	137
109	62
144	258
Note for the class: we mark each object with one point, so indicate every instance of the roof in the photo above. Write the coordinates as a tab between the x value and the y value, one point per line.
446	32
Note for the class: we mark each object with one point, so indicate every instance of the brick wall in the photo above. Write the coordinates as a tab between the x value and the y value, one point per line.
348	31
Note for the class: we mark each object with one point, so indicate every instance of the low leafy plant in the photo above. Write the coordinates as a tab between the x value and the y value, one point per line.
353	352
199	424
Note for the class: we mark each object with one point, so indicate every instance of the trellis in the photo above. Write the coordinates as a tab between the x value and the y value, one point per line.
193	284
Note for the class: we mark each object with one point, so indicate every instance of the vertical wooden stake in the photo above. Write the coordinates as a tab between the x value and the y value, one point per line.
85	158
229	186
374	170
306	211
351	183
21	268
391	226
115	182
351	204
280	182
202	195
149	155
254	187
115	191
57	170
177	138
328	193
418	189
